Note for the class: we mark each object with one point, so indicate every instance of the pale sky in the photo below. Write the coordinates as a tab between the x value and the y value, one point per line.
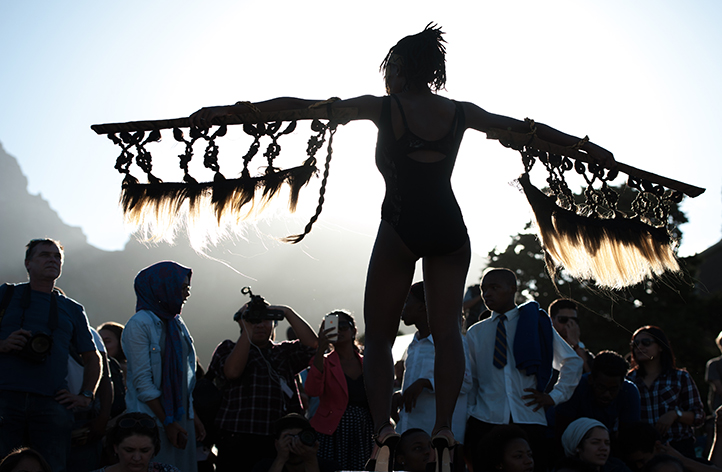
640	78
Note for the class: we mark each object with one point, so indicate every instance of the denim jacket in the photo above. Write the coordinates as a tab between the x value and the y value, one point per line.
142	339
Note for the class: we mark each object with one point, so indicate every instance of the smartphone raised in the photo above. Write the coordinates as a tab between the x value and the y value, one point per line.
332	323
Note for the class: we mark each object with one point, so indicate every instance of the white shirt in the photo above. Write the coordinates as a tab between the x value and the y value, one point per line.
419	364
496	394
76	371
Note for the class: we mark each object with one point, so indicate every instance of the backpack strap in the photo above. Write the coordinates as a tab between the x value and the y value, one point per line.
7	296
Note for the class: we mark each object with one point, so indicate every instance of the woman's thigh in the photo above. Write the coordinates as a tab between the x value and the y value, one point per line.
389	277
444	280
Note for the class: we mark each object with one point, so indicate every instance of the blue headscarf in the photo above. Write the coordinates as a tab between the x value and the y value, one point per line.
159	289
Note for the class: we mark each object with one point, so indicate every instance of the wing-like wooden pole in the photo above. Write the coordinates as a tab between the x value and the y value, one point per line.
343	115
340	115
520	139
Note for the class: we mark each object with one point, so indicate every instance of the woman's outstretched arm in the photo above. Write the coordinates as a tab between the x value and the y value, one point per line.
368	106
481	120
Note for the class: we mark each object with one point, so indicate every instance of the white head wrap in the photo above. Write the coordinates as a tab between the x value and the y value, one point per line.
574	433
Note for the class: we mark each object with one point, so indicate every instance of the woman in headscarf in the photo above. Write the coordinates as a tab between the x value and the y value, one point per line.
588	440
162	361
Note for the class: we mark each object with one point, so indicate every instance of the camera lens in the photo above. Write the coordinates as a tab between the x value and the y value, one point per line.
40	343
307	437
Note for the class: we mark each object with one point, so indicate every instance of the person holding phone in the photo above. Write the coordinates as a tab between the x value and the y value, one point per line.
343	419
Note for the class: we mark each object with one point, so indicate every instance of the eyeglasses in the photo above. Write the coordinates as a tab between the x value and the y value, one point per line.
127	423
646	342
565	319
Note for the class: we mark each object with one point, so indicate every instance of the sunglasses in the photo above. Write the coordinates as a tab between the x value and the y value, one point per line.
646	342
344	325
128	423
565	319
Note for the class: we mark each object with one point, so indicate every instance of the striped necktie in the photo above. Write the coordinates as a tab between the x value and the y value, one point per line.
500	344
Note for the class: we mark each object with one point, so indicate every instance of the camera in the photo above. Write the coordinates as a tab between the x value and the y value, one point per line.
37	348
257	309
307	437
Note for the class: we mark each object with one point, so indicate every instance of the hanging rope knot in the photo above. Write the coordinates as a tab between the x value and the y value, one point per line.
532	126
580	144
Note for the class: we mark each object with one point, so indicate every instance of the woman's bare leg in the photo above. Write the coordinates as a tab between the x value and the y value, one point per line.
389	277
444	279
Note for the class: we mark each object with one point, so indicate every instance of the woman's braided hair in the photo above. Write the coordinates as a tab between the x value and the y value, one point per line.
423	57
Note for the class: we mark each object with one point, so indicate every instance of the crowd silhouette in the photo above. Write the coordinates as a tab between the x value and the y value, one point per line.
487	383
301	405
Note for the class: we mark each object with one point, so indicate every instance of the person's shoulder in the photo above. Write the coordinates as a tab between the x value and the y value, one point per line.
628	384
68	303
682	373
224	348
479	324
142	317
326	465
263	465
160	467
331	356
615	464
284	345
584	379
292	348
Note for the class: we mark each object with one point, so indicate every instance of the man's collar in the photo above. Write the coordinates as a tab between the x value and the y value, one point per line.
510	315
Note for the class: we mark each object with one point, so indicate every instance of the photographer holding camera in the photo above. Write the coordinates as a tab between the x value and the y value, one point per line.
38	325
258	386
296	448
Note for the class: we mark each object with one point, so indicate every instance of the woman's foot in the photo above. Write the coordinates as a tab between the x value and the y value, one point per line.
382	457
445	445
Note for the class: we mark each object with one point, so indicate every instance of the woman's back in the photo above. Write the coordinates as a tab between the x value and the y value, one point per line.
419	202
429	116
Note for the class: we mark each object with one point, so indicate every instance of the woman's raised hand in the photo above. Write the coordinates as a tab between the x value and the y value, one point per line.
602	157
323	340
203	118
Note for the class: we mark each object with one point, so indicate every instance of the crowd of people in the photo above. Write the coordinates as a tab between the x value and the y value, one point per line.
511	388
533	398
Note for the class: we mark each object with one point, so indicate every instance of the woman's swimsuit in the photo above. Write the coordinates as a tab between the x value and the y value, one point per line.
419	202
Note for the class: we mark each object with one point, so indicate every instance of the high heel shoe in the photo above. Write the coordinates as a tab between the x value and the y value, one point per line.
444	445
382	459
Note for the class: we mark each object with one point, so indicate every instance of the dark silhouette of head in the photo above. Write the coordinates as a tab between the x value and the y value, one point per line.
667	356
489	453
131	424
12	460
421	58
